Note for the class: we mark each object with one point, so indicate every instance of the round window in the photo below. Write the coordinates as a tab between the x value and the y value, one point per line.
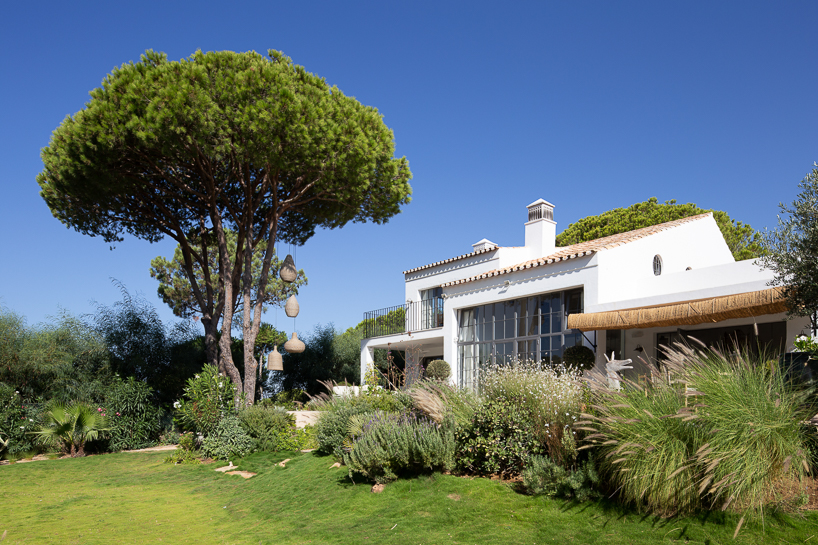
657	265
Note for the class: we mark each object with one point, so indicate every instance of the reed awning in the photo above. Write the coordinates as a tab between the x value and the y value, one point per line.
714	309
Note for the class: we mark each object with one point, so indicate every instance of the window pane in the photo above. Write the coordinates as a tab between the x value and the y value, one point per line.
555	302
533	325
510	329
545	305
556	323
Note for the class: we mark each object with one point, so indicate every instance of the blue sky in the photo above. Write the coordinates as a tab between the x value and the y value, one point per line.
589	105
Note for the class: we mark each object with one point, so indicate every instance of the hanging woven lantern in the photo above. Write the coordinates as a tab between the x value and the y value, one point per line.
294	345
288	272
291	308
274	360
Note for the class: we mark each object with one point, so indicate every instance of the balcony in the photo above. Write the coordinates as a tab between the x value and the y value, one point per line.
407	318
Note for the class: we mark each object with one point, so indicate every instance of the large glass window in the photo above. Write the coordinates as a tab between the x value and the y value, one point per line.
527	329
431	308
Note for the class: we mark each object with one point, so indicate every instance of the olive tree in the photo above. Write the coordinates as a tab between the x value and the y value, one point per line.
215	142
792	251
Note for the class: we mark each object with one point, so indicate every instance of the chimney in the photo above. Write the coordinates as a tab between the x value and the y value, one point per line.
541	229
484	244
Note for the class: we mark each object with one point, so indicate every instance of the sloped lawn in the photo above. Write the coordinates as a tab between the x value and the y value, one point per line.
135	498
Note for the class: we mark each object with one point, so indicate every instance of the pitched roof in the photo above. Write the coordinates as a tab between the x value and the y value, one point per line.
583	248
464	256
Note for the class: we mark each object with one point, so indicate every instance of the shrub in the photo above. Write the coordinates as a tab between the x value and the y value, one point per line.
17	419
384	444
290	399
543	476
579	357
187	452
438	370
499	439
551	396
210	397
265	424
135	421
294	439
227	440
722	432
332	428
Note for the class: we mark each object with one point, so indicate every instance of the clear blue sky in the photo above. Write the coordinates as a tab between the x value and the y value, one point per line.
589	105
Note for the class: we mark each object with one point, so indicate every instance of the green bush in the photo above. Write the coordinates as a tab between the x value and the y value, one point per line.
579	357
543	476
227	440
551	396
210	398
17	420
438	370
723	432
294	439
332	428
187	453
291	400
134	421
499	440
385	444
265	425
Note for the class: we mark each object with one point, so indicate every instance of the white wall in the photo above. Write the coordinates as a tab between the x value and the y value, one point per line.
626	271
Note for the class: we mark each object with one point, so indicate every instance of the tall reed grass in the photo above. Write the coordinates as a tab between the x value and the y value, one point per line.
707	431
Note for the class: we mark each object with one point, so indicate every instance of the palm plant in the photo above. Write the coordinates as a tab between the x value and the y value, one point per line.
71	426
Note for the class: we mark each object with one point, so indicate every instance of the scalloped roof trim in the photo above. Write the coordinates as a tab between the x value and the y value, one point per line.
450	260
582	249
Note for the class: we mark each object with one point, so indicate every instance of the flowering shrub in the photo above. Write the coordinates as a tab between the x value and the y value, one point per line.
209	399
806	344
550	396
499	440
17	419
134	420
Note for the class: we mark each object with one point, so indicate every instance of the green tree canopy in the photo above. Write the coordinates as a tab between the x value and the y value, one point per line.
220	141
792	251
744	242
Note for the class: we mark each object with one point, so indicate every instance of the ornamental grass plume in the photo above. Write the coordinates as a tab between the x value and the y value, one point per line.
708	431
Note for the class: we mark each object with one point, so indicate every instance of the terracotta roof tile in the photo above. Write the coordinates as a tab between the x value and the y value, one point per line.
464	256
583	248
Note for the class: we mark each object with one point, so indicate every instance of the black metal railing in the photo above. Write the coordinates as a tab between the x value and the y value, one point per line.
412	316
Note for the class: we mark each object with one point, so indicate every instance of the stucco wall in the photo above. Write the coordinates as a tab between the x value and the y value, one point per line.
626	272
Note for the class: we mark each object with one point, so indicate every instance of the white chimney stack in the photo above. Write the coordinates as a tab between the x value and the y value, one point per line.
541	229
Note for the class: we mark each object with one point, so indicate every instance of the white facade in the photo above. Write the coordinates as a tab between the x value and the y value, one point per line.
614	273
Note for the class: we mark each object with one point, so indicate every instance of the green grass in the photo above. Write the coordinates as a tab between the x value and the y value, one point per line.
135	498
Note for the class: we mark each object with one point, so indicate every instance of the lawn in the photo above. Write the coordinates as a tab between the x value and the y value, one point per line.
135	498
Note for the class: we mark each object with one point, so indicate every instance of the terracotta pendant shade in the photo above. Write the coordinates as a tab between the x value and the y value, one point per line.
291	308
288	272
274	360
294	345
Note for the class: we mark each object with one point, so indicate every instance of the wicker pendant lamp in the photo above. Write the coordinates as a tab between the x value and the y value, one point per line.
294	345
291	308
288	272
274	360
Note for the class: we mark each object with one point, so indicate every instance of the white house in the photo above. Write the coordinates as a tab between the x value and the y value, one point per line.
628	293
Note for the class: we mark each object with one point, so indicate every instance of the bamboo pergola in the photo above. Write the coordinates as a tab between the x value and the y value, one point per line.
715	309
